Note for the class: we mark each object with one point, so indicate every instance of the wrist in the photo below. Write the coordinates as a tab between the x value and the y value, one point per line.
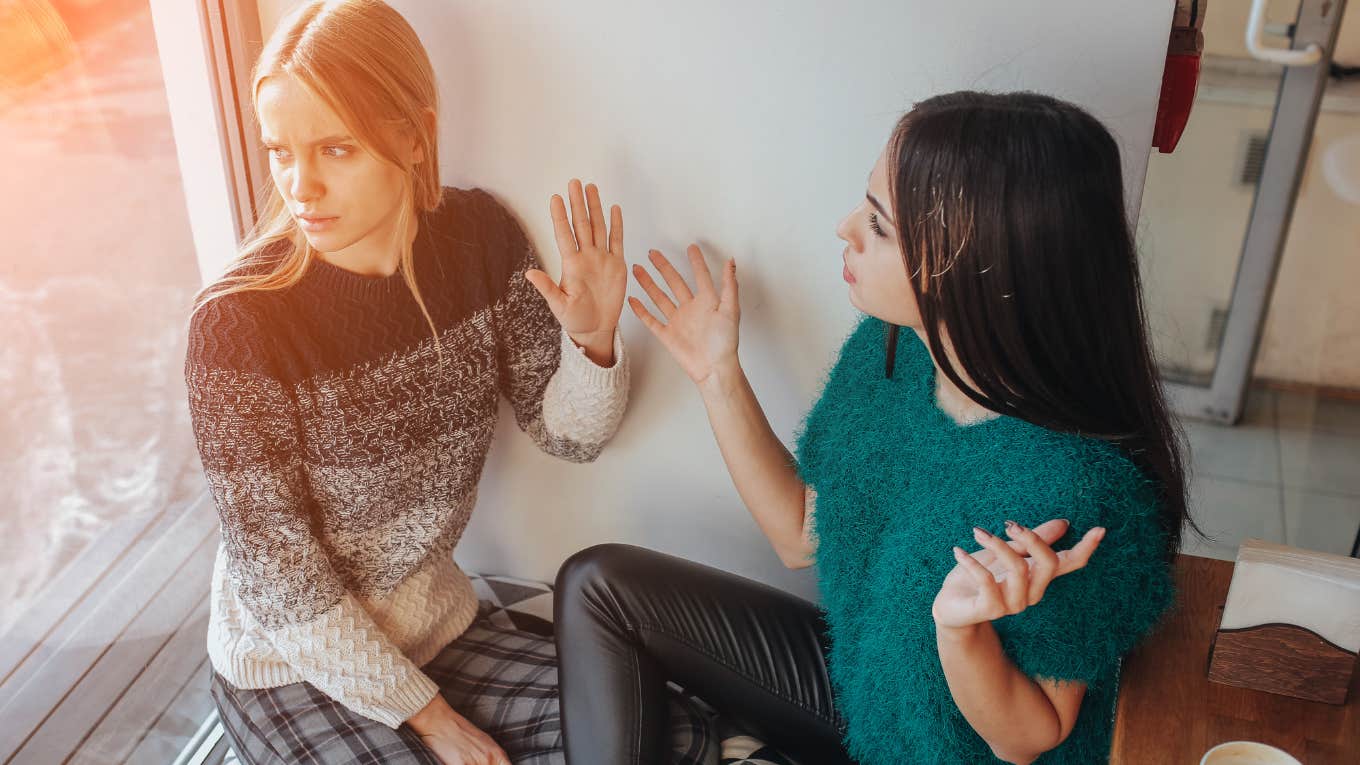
960	636
432	715
723	378
598	346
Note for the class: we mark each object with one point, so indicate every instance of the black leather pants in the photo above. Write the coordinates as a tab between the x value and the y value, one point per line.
630	619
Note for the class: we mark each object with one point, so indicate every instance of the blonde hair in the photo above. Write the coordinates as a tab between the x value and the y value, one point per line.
364	60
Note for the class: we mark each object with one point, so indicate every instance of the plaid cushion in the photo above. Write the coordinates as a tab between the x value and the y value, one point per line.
515	603
502	676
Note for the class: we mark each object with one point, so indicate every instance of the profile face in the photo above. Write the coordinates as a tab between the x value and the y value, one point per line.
337	191
873	267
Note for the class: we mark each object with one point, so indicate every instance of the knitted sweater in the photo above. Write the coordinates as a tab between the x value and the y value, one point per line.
897	485
343	454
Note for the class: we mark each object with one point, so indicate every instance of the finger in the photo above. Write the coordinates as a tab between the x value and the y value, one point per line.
580	219
649	321
703	280
566	240
659	297
616	231
727	301
1051	531
1080	554
597	229
557	299
1043	562
673	278
1015	584
989	590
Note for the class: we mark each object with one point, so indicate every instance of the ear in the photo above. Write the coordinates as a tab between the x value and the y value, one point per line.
429	127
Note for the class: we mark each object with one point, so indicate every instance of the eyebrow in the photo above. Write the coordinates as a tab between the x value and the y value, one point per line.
264	139
880	209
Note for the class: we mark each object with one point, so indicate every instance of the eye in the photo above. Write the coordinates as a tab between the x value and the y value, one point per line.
336	151
278	153
873	225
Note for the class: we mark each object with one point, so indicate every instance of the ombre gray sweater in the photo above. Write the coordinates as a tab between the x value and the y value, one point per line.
343	453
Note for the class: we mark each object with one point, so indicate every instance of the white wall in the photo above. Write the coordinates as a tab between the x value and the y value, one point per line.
751	128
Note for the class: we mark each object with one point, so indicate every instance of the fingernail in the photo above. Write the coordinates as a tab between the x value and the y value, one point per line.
1011	525
980	533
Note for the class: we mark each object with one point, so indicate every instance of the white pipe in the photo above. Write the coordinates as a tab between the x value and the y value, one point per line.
1255	30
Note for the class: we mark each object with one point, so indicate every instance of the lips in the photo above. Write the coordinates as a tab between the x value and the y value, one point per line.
846	274
316	222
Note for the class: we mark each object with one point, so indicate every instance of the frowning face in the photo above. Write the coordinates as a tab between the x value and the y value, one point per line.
339	192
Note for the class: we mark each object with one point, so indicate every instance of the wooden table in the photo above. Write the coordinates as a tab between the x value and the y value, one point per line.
1170	713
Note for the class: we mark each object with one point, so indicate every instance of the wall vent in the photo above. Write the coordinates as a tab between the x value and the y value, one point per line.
1253	159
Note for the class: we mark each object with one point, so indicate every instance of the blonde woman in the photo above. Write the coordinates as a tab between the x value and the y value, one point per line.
344	379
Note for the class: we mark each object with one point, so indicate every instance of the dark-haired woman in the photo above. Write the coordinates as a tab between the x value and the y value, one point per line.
992	499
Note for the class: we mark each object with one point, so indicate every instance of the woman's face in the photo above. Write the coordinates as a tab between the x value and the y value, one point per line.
873	261
339	193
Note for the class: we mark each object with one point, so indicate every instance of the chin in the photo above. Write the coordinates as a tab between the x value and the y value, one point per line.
325	241
857	301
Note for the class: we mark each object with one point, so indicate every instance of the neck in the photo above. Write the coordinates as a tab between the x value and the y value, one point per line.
949	397
374	255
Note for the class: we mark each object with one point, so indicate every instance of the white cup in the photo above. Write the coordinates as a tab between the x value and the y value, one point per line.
1247	753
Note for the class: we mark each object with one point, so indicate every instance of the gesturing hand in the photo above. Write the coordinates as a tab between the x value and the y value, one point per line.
589	299
700	328
1007	577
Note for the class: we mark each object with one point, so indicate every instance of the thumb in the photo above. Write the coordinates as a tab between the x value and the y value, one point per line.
547	288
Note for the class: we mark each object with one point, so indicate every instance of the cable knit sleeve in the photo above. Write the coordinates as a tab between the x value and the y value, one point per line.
246	429
567	404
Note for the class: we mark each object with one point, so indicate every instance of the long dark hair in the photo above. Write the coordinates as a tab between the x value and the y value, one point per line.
1010	213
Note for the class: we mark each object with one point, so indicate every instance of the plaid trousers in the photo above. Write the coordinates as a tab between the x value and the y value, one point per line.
502	680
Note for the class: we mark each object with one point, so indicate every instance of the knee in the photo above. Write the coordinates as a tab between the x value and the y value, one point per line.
599	564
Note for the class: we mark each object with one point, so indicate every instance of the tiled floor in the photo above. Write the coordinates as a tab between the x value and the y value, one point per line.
1289	473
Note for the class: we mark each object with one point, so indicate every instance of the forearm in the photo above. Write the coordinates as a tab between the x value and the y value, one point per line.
1006	708
762	469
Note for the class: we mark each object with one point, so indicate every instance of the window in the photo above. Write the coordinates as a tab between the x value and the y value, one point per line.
107	536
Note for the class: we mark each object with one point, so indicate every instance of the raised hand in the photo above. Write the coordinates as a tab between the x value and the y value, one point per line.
1005	577
589	299
700	327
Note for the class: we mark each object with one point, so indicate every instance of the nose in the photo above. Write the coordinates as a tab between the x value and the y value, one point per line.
306	183
846	229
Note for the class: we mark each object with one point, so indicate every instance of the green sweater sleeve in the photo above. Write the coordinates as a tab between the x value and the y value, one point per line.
1088	619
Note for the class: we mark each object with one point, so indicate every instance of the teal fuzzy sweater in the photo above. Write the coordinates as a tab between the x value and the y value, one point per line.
898	483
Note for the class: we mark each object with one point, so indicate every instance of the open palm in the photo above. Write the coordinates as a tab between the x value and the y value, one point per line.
589	298
700	325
